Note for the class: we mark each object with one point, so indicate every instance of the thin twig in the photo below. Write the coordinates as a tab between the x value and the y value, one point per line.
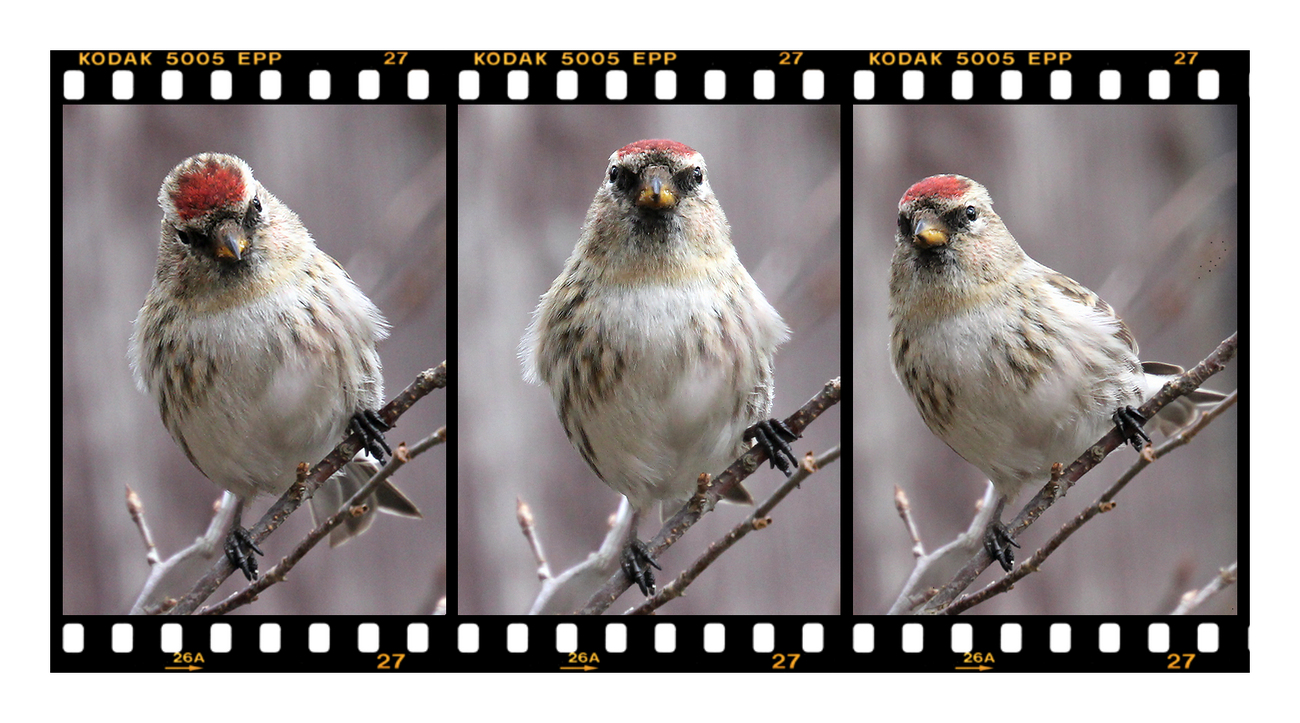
1194	598
351	508
1105	503
905	511
525	517
438	437
568	589
1056	488
677	526
280	570
756	521
136	508
425	382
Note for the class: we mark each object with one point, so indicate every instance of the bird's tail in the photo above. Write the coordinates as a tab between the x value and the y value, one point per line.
345	483
1182	411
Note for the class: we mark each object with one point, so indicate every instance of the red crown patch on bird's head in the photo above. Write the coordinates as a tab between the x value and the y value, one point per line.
946	186
209	183
655	144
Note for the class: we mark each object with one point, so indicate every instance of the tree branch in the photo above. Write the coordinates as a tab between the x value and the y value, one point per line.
136	508
524	514
756	521
904	508
1104	503
1193	598
1057	487
438	437
303	489
691	513
353	507
565	592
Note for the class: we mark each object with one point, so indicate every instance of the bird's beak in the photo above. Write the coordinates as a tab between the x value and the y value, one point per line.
230	241
656	189
929	231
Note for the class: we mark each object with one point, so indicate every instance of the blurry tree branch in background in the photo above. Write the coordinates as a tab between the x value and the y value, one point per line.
525	516
1193	598
562	594
436	603
154	599
945	600
136	508
1168	240
604	563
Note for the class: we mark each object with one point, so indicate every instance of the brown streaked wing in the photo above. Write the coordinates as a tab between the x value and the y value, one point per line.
1083	295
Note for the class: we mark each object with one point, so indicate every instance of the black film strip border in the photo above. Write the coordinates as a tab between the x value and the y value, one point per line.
661	77
687	644
727	643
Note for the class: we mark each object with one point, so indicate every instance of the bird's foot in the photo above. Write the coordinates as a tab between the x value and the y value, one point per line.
637	562
371	427
998	541
239	550
1130	421
775	438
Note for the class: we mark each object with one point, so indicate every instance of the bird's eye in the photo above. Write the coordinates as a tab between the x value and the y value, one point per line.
613	174
184	237
971	213
698	174
254	215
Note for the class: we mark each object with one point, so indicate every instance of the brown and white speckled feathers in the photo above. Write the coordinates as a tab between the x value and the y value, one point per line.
1013	365
654	341
256	345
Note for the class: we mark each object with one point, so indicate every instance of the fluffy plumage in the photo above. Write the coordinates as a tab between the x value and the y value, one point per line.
1013	365
257	347
654	341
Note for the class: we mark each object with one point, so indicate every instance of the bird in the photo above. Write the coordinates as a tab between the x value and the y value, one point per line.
1013	365
258	348
654	341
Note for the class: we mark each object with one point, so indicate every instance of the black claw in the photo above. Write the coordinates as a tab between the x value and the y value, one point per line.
998	541
636	556
239	550
371	427
774	437
1129	421
782	430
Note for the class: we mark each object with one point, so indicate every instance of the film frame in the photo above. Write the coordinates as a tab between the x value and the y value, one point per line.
794	643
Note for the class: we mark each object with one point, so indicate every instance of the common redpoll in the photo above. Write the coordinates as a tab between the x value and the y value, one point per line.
655	342
257	347
1013	365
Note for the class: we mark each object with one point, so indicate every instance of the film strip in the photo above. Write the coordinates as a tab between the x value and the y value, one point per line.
659	77
465	176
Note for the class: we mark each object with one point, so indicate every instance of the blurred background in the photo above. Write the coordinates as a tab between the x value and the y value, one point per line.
370	185
1137	203
525	178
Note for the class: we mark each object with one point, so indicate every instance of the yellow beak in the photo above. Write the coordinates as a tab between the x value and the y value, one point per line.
656	189
929	232
231	242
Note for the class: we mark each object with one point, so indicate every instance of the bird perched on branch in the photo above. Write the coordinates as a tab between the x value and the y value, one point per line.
654	341
1013	365
257	347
